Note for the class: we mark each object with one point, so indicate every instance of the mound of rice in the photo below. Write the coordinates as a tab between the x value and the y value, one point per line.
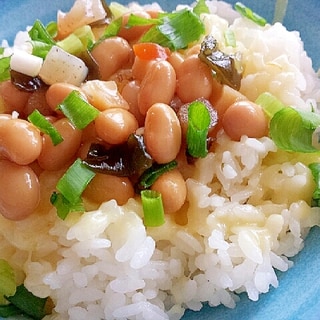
247	213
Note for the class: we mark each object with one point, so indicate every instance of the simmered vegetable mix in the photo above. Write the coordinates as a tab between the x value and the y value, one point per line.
121	96
110	101
119	105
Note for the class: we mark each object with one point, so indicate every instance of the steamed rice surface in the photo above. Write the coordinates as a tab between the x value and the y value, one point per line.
247	210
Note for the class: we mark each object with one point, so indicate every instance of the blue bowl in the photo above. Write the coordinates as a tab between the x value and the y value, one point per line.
298	294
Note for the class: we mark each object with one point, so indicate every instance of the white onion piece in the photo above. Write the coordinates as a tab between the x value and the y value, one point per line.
61	66
25	63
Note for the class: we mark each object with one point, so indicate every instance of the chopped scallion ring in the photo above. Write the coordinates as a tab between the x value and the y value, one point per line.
74	181
293	130
315	170
111	30
198	126
24	302
269	103
230	38
135	20
249	14
77	110
201	7
174	30
150	175
37	119
152	208
63	206
38	32
5	68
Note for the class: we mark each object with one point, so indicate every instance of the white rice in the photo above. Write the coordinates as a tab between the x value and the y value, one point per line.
247	213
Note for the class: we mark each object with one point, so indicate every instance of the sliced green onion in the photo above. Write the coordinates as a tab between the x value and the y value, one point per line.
249	14
150	175
152	205
85	35
77	110
117	9
5	68
135	20
52	29
176	30
269	103
38	32
201	7
71	44
42	38
74	181
78	41
45	126
29	304
111	30
293	130
63	206
230	38
40	49
7	279
197	131
9	310
315	170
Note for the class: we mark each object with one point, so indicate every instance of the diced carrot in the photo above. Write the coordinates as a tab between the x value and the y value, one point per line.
150	51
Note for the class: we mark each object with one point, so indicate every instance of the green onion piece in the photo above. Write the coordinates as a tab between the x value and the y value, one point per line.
9	310
176	30
77	110
29	304
52	29
293	130
5	68
197	131
38	32
249	14
135	20
40	49
45	126
78	41
150	175
7	279
74	181
41	40
269	103
117	9
71	44
63	206
315	170
201	7
85	35
152	205
111	30
230	38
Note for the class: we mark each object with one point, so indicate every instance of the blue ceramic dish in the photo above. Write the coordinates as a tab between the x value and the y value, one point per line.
298	294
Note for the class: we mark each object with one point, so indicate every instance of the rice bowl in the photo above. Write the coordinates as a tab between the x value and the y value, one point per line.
161	271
